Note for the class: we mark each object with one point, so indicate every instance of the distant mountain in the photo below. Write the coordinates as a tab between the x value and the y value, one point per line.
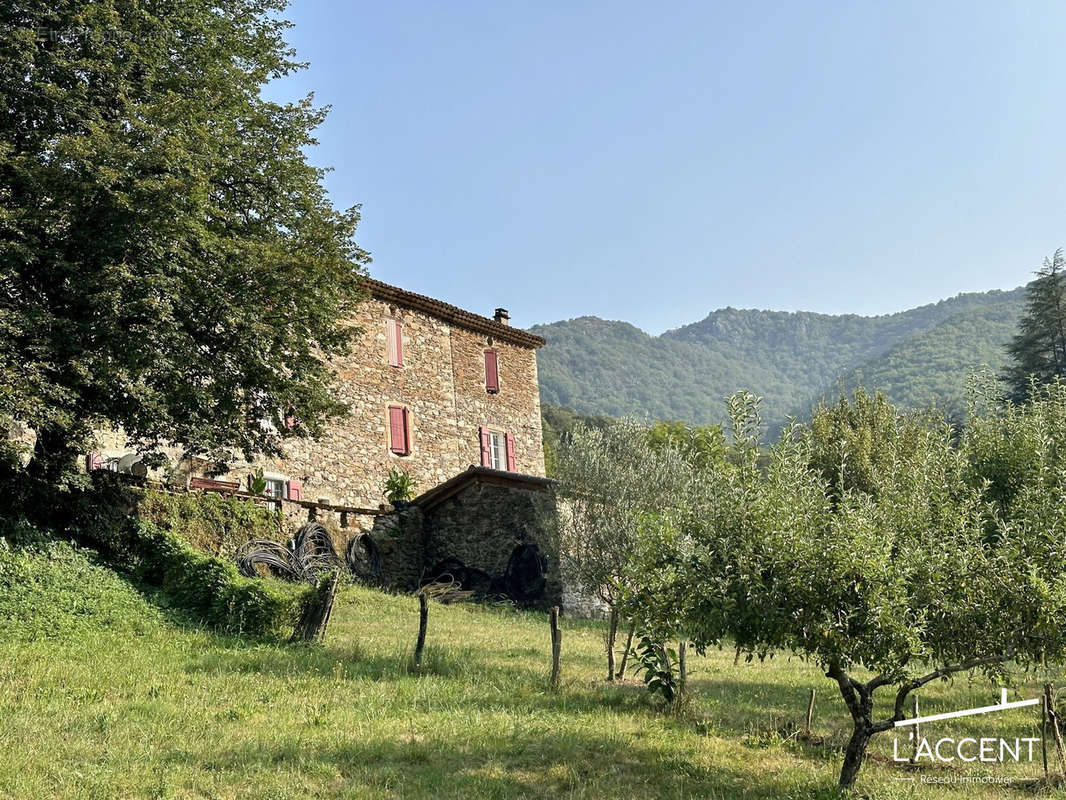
918	356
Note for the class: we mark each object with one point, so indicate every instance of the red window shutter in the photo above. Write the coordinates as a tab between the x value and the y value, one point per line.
486	446
510	452
492	371
94	461
295	490
398	430
394	335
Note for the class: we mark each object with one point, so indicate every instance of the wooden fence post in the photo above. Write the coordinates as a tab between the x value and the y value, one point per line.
1043	732
423	618
317	611
810	714
557	645
625	655
1053	718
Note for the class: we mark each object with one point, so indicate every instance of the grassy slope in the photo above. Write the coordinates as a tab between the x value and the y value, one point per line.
111	697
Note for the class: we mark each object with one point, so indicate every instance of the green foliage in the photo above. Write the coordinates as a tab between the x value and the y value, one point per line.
611	478
874	539
171	260
790	359
700	444
258	483
1038	350
54	589
144	533
855	444
399	486
210	588
210	522
656	668
556	425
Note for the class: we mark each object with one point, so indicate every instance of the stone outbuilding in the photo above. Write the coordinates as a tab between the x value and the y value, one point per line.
489	530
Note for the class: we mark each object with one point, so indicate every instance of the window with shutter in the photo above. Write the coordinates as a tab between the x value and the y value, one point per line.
394	340
486	446
492	371
510	453
399	435
496	449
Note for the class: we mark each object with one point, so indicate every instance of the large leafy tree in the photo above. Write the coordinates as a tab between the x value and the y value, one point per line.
1038	350
169	259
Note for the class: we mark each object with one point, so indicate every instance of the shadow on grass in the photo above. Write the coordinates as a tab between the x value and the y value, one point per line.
520	763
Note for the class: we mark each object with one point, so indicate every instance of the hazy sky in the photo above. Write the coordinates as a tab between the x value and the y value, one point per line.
651	162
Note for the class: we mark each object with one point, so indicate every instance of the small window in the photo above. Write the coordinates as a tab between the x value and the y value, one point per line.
492	371
497	450
274	488
399	431
394	342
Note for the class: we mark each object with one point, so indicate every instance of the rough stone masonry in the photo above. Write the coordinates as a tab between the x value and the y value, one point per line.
433	389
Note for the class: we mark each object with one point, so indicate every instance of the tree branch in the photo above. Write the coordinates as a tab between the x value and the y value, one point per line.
899	713
850	690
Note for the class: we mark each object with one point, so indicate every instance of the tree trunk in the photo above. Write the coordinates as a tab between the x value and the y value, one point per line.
53	454
854	754
612	634
625	654
682	671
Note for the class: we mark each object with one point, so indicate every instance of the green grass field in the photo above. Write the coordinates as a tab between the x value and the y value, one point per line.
106	693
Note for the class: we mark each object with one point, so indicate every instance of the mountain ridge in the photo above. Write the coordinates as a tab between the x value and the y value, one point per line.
612	367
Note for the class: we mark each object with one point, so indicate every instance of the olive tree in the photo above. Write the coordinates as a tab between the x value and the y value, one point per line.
901	577
610	481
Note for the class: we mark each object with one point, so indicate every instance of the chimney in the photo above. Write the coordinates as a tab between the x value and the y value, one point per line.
502	317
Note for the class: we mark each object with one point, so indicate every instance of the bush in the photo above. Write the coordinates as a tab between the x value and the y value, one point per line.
210	522
145	533
211	589
55	589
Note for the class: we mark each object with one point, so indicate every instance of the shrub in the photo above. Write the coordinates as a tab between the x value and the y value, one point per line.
399	486
211	589
159	548
210	522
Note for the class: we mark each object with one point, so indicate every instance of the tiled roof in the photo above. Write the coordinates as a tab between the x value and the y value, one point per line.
438	494
452	314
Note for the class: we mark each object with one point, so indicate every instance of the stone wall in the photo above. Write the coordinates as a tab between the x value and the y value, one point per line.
441	383
515	409
489	532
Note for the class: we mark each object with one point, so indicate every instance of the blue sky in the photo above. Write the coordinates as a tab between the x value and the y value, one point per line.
651	163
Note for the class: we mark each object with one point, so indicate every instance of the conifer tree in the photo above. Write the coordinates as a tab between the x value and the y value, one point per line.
1038	350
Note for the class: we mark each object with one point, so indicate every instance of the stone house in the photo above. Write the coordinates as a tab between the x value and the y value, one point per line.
432	388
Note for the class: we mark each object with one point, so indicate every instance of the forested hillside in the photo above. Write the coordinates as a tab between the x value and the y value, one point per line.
789	358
